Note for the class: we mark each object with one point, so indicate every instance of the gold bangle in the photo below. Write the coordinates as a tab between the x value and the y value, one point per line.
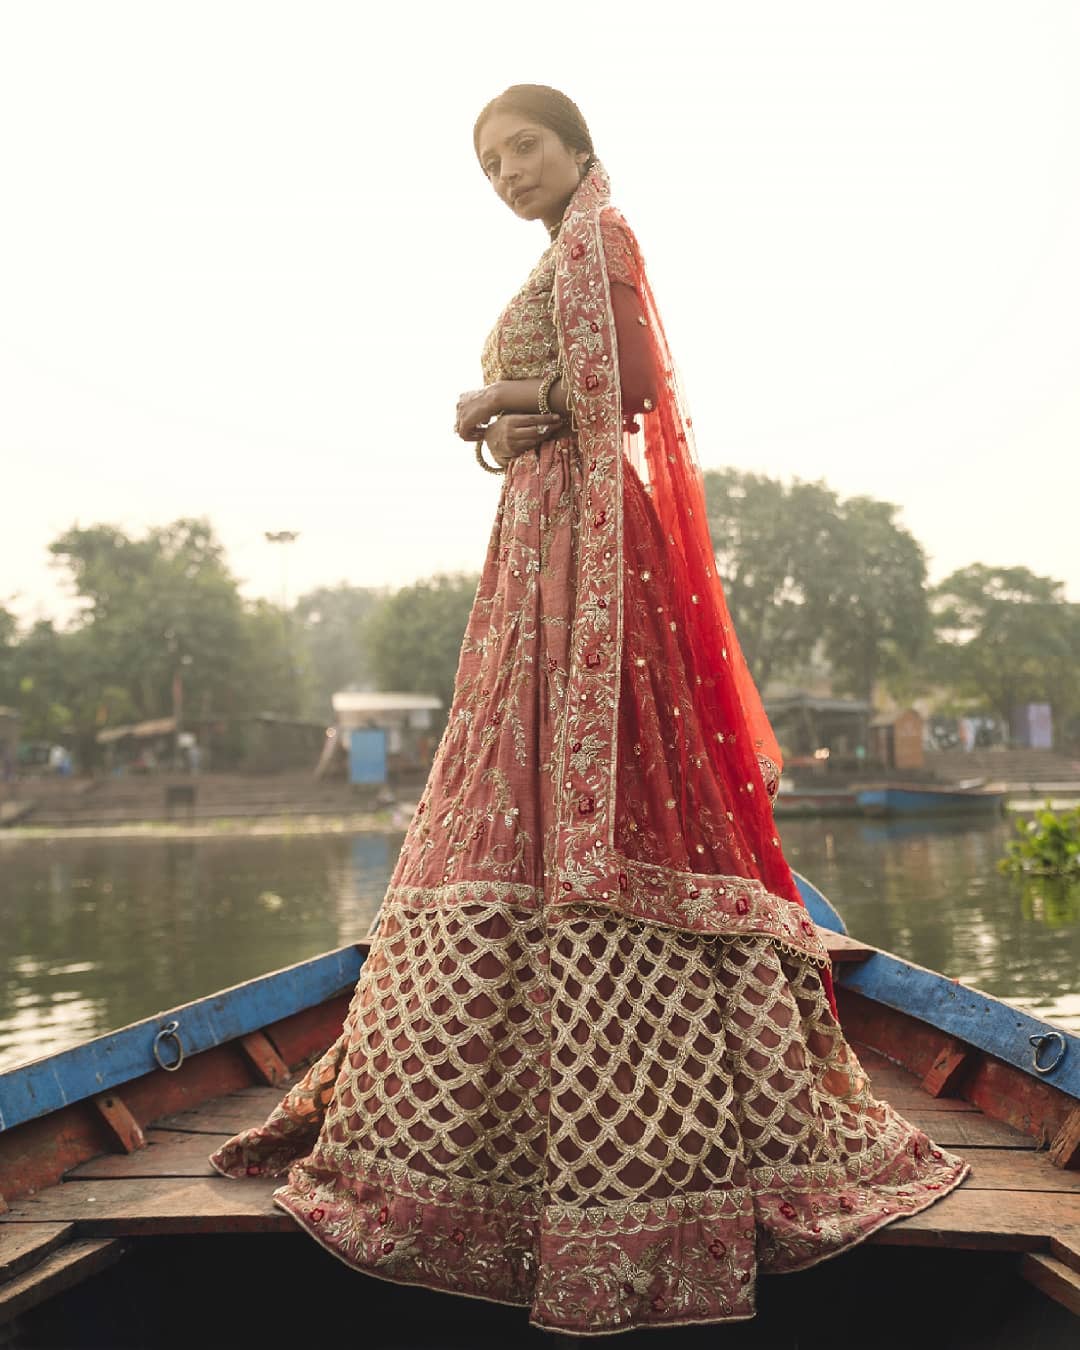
483	462
546	382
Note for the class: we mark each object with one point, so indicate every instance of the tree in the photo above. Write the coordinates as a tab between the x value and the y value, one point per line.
768	538
332	626
801	566
876	615
415	635
1008	636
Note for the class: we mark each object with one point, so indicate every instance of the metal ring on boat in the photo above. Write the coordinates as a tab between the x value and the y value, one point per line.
170	1029
1039	1042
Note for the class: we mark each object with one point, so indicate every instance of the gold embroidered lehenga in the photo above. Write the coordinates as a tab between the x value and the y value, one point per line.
592	1064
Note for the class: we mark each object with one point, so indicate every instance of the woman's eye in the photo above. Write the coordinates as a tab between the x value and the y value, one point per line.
525	146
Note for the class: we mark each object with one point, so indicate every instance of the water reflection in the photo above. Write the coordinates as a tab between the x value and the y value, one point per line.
98	933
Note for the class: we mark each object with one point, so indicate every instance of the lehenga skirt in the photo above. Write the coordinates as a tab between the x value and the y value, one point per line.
610	1121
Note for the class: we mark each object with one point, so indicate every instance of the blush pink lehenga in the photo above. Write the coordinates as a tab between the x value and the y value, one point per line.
592	1065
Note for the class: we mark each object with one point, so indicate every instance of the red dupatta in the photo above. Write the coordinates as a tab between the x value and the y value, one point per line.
589	868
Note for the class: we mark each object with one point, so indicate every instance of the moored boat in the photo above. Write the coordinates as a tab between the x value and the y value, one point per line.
113	1216
896	799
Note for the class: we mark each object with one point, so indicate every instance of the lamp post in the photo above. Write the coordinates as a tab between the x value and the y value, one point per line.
282	537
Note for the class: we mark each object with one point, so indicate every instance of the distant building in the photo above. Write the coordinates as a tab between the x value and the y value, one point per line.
408	721
9	742
896	739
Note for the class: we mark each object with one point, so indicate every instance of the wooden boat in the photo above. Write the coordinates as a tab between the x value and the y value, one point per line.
115	1232
798	802
897	799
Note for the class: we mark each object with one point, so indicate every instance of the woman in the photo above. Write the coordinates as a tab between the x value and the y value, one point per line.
592	1065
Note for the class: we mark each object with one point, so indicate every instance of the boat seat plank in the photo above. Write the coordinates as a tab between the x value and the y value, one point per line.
988	1220
66	1266
842	948
225	1115
960	1130
169	1153
1055	1279
1007	1169
26	1244
114	1207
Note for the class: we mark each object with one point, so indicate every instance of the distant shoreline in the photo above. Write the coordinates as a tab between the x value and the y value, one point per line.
390	821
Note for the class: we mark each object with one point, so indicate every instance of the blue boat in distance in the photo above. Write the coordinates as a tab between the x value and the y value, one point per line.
895	799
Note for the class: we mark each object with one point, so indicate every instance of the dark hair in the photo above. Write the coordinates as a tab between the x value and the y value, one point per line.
550	107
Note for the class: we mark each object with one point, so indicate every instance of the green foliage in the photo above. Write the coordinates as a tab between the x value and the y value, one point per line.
1007	636
801	566
415	635
1047	845
331	624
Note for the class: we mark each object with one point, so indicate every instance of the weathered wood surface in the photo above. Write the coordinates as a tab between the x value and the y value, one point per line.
226	1115
843	949
25	1244
62	1268
169	1153
141	1208
1054	1278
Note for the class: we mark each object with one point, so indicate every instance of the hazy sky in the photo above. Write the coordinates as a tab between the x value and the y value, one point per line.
247	262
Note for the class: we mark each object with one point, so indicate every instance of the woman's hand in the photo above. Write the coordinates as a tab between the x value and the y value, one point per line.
514	434
474	410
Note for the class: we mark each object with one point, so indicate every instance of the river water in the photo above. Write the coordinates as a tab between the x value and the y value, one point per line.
96	933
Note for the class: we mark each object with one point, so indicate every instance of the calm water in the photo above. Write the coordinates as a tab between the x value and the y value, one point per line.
98	933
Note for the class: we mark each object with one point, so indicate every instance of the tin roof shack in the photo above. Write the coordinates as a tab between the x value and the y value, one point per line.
896	739
139	747
821	737
408	719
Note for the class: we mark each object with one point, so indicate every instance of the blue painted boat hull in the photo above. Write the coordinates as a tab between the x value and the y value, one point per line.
911	801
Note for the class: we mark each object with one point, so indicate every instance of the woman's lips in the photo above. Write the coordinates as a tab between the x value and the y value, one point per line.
517	197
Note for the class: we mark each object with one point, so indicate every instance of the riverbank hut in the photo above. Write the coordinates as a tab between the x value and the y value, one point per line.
407	721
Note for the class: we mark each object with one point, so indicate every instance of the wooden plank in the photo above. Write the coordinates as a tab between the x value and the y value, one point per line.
1067	1251
37	1154
226	1115
114	1208
968	1129
1065	1149
945	1073
307	1034
121	1124
844	949
988	1220
1053	1278
1031	1105
262	1055
35	1089
168	1154
1008	1169
67	1266
987	1023
25	1244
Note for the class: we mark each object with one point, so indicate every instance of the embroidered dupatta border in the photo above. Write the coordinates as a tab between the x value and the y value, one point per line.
589	870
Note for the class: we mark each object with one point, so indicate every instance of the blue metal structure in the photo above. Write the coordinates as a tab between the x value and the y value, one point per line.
367	755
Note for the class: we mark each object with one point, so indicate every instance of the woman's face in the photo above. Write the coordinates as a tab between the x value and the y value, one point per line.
529	167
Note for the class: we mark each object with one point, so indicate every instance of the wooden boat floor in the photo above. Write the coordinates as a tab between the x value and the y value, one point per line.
1015	1199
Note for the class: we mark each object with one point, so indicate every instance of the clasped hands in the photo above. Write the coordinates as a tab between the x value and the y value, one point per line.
506	435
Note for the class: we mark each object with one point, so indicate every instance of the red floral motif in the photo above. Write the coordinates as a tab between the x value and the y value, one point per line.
458	1237
598	521
624	882
742	905
576	746
591	381
593	659
317	1215
586	806
578	251
388	1247
552	664
717	1248
253	1169
594	326
787	1210
383	1215
846	1205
